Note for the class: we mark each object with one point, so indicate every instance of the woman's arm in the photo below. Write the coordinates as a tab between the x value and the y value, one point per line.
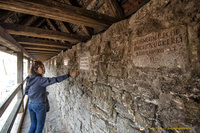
44	82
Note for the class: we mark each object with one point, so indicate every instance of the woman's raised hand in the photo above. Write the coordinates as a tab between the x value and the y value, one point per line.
74	74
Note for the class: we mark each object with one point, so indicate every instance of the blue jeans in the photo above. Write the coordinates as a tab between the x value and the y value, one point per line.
38	116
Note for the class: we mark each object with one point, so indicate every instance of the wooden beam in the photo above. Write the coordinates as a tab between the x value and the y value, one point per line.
85	30
29	20
5	16
64	27
6	50
66	13
41	33
52	26
20	71
40	42
42	54
8	41
46	45
115	9
39	51
67	1
47	49
39	22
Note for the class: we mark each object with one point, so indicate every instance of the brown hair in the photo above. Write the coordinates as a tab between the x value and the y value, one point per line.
34	67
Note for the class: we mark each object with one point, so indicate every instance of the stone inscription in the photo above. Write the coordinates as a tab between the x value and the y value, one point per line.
84	63
158	47
66	61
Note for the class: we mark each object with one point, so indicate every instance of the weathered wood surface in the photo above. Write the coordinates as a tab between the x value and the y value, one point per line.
11	118
52	26
41	33
39	51
66	13
64	27
8	41
4	104
115	8
6	15
40	42
28	20
47	49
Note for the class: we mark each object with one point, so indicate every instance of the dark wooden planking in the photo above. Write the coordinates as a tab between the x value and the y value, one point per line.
8	41
45	45
85	30
38	22
134	7
52	26
43	54
38	48
6	49
64	27
67	1
115	8
28	20
41	33
66	13
43	57
40	42
6	15
40	51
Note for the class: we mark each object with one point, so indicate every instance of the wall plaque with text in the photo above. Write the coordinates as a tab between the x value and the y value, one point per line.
165	48
84	63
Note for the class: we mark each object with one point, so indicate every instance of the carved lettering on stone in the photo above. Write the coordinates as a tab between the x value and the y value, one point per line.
84	63
164	48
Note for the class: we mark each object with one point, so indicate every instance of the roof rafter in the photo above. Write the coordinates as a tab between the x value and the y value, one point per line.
41	33
115	8
8	41
52	26
29	20
66	13
6	16
39	48
40	51
40	42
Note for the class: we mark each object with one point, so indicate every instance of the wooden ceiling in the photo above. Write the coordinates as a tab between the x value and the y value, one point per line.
43	28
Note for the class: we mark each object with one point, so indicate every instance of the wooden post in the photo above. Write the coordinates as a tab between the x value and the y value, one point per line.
20	78
29	65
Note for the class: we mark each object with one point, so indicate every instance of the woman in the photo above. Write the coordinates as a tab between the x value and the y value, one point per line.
36	90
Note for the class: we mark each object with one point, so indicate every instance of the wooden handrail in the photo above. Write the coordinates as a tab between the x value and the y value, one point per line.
3	106
9	122
7	101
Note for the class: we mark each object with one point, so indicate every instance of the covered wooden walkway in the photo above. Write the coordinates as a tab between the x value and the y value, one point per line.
41	29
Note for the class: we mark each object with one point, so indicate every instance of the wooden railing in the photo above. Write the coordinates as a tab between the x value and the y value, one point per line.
19	104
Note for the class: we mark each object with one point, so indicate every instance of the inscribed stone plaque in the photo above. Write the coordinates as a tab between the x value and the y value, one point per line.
55	63
165	48
84	63
66	61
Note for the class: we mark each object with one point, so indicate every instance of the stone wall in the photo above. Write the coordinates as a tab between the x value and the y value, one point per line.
143	71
